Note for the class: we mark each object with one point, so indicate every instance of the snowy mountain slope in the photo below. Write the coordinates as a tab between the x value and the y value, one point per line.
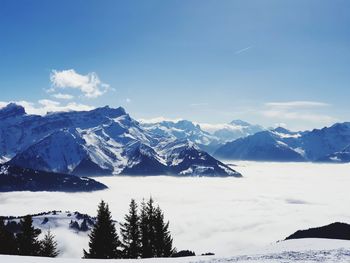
180	157
144	160
327	144
207	137
184	129
300	250
23	130
60	151
319	143
306	250
103	141
14	178
263	146
338	157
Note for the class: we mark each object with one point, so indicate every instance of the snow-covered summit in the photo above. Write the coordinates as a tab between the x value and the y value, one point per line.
236	129
184	129
102	141
326	144
268	145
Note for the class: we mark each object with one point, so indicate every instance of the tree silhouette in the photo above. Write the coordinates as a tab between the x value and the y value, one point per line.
104	241
8	244
130	232
147	229
28	244
156	240
163	245
49	246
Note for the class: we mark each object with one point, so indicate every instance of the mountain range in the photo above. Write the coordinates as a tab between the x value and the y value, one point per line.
236	129
102	141
329	144
208	140
107	141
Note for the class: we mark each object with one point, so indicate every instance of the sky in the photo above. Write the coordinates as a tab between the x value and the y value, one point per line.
267	62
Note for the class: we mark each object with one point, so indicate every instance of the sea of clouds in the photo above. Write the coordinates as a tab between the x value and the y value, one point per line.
221	215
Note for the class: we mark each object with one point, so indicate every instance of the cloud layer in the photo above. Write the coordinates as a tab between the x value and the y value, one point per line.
297	104
45	106
305	111
63	96
159	119
90	85
220	215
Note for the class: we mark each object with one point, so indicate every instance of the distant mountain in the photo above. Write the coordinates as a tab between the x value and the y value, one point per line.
14	178
337	157
236	129
327	144
263	146
209	140
319	143
187	130
181	156
332	231
103	141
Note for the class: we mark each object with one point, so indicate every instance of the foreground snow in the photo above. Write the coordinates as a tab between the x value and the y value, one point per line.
220	215
302	250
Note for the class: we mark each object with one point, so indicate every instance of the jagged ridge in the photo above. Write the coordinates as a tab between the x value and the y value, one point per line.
98	142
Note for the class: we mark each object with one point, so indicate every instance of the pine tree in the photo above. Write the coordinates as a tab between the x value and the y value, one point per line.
130	231
163	244
49	246
28	244
147	229
8	244
104	241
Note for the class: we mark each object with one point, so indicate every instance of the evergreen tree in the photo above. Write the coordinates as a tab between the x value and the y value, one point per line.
8	244
163	245
130	231
28	244
49	246
104	241
147	229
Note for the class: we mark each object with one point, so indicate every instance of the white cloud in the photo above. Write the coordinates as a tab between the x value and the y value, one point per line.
266	207
48	103
45	106
302	111
211	128
127	100
63	96
301	116
159	119
297	104
90	85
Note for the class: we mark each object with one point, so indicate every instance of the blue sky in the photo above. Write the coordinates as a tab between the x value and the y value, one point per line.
266	62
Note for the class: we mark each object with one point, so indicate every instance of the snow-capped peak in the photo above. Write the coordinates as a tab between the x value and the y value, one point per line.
100	142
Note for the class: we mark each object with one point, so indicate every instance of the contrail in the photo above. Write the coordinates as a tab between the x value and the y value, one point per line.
243	50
